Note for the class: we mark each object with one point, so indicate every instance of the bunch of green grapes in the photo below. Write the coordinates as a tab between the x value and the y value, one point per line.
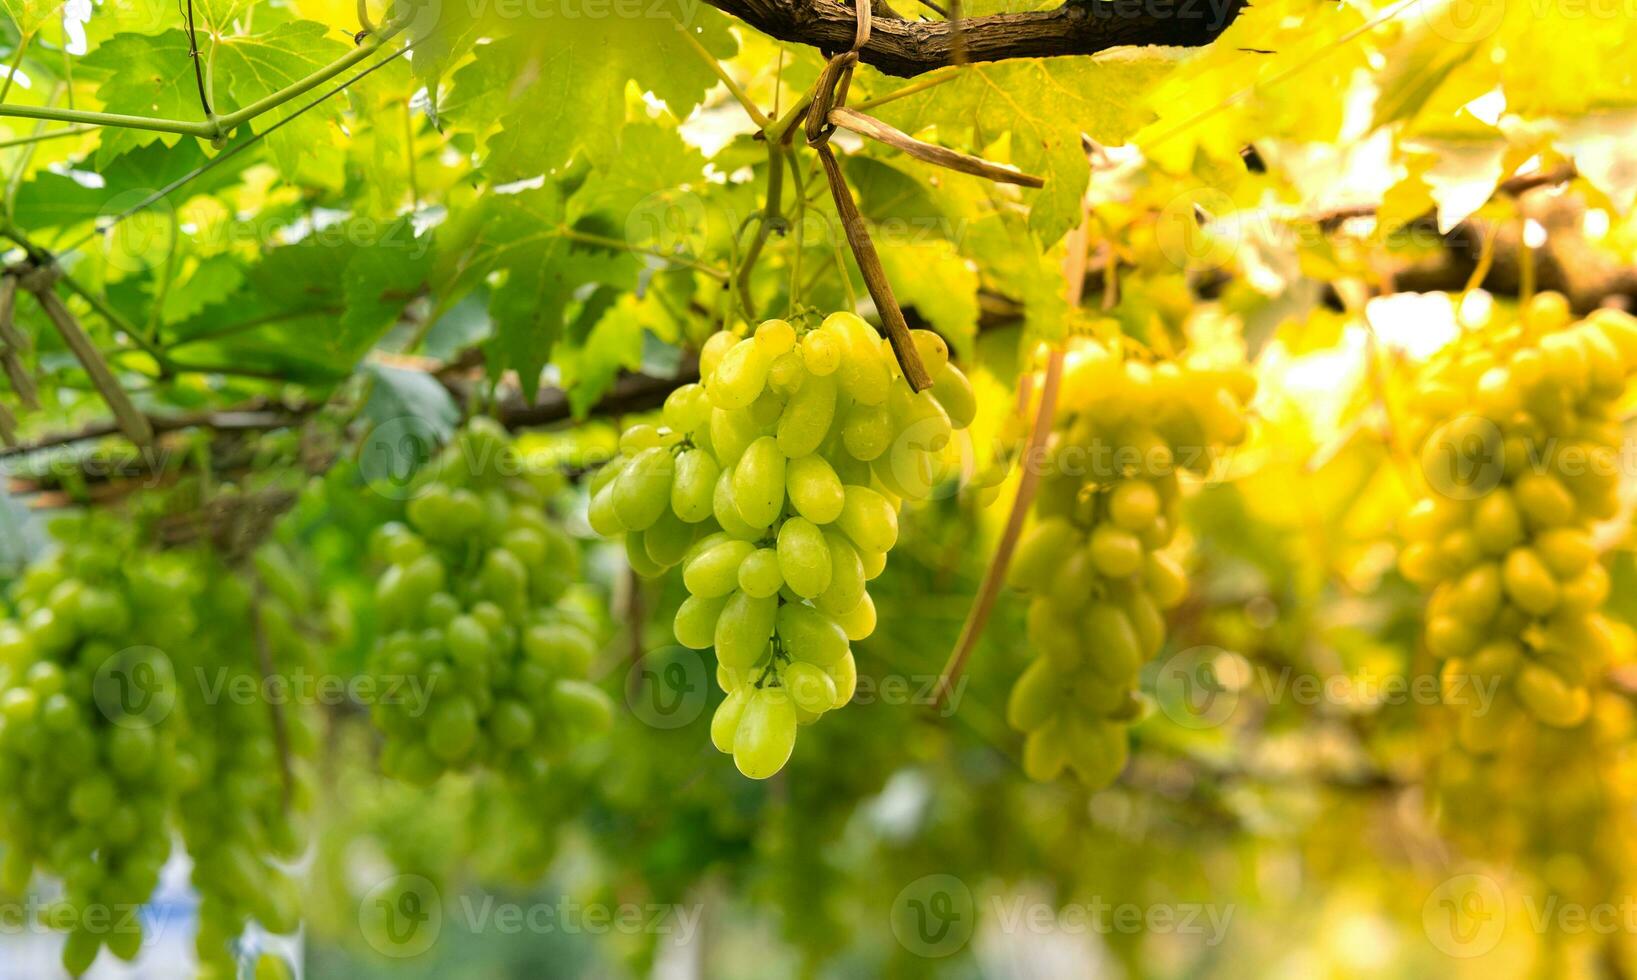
1519	433
1095	561
481	662
1577	836
90	727
775	484
241	821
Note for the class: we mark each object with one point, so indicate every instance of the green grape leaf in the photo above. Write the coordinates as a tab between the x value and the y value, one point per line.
257	65
150	75
143	75
652	159
1045	105
521	240
31	15
209	281
613	345
933	278
52	199
565	86
382	278
399	393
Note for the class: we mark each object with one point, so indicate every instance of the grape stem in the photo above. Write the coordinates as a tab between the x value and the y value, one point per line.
1074	275
264	659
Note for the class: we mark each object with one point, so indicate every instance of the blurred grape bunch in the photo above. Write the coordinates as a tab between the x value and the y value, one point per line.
91	729
1096	562
482	634
1519	432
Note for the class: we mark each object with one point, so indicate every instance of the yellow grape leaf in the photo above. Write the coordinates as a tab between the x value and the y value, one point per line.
1045	105
1462	177
31	15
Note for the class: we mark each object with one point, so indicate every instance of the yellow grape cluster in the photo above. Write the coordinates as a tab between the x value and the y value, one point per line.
1519	434
775	484
1577	834
479	632
1095	561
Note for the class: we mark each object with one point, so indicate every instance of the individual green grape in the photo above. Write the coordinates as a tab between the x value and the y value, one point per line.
811	636
954	392
738	379
716	572
867	431
758	482
725	722
695	623
766	733
847	582
1093	561
643	490
806	418
725	508
869	519
693	489
744	629
865	374
804	557
814	489
760	575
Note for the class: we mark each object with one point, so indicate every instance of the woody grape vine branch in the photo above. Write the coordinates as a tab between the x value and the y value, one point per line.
906	48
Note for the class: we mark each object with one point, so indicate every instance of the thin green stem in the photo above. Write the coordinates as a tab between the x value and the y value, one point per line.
48	135
588	238
771	214
15	63
239	117
800	225
409	154
209	91
780	131
756	115
931	79
167	274
114	119
245	326
221	125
